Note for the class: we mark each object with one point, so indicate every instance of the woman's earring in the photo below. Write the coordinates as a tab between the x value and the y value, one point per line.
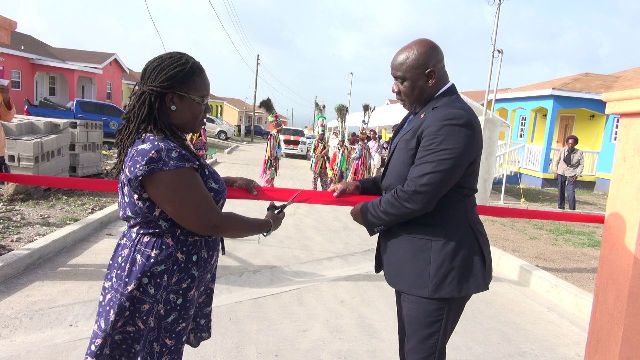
173	108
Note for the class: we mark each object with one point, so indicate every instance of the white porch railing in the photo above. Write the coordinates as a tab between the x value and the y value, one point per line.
532	157
590	161
509	160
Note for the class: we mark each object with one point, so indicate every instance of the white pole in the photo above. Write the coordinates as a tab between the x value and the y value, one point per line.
506	165
495	89
493	49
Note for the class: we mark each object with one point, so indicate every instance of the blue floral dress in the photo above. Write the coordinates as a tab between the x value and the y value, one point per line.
158	290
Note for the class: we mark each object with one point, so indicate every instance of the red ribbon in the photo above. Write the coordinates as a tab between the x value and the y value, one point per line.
305	197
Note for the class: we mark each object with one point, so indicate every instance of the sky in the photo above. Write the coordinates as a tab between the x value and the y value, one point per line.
308	48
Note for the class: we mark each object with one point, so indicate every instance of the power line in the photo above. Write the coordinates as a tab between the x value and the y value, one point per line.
154	25
229	36
237	24
243	59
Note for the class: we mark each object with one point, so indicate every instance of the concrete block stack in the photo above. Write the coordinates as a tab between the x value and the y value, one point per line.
57	147
85	148
38	147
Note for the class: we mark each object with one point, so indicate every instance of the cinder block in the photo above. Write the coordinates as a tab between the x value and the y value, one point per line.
78	136
78	171
94	136
85	159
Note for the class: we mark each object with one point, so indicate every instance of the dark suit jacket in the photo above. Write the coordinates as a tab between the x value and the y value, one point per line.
431	241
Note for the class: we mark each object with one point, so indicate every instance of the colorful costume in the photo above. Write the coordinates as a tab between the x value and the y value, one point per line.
319	164
360	162
198	142
339	164
271	162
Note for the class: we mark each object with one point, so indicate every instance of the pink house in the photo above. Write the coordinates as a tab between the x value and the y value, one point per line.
37	70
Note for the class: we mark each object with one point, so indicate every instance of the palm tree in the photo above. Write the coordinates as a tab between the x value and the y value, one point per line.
341	112
366	109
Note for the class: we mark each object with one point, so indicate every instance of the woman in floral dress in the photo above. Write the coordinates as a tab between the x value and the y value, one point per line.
158	289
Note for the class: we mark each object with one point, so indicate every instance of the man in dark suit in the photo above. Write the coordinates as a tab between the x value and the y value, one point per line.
432	245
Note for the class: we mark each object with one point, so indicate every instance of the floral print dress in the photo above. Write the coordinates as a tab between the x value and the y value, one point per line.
158	290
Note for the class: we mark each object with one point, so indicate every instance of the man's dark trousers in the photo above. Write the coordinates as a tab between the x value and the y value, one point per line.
568	185
426	319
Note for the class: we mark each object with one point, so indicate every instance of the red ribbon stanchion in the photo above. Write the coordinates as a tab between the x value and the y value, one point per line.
305	197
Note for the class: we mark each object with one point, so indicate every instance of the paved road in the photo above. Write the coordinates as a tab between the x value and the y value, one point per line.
306	292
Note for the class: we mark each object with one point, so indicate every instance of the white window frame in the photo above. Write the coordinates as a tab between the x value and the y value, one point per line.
109	91
18	79
54	87
522	127
614	129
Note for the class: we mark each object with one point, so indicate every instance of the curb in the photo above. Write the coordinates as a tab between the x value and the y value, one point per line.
15	262
564	294
230	149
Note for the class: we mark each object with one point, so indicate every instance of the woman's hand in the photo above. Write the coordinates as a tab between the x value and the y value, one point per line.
275	219
242	183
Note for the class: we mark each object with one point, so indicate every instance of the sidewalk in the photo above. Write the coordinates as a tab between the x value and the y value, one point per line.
302	293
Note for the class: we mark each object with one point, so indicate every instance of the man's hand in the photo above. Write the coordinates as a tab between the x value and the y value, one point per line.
242	183
356	214
345	187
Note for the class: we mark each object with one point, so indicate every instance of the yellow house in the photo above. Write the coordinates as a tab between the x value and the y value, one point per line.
128	82
233	111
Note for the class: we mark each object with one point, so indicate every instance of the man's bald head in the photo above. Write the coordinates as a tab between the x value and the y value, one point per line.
419	73
421	55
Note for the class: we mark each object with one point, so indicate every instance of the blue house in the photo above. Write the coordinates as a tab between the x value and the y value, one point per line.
542	115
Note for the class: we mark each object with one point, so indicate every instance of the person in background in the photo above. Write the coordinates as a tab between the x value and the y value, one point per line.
273	153
353	139
319	163
158	288
375	148
569	164
199	142
7	112
360	167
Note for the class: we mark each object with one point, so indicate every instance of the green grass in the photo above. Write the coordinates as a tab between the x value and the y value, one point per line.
575	237
68	219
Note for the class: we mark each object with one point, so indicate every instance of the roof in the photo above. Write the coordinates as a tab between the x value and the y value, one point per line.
627	79
589	83
29	45
132	76
475	95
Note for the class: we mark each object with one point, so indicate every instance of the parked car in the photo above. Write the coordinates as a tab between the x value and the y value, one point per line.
310	139
258	131
79	109
219	129
294	142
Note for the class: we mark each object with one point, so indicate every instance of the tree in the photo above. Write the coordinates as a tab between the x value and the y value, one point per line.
267	104
341	112
366	109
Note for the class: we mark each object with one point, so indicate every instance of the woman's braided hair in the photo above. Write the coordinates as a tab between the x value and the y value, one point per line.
161	75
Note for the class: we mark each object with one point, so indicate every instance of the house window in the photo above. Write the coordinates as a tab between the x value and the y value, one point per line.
52	85
614	131
522	127
16	79
259	120
108	90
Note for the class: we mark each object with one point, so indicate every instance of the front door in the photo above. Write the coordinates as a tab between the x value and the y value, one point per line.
565	128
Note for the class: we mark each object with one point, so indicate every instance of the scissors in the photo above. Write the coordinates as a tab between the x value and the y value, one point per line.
280	208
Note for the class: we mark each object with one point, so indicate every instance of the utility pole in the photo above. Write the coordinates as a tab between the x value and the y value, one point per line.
292	116
255	92
493	51
350	87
